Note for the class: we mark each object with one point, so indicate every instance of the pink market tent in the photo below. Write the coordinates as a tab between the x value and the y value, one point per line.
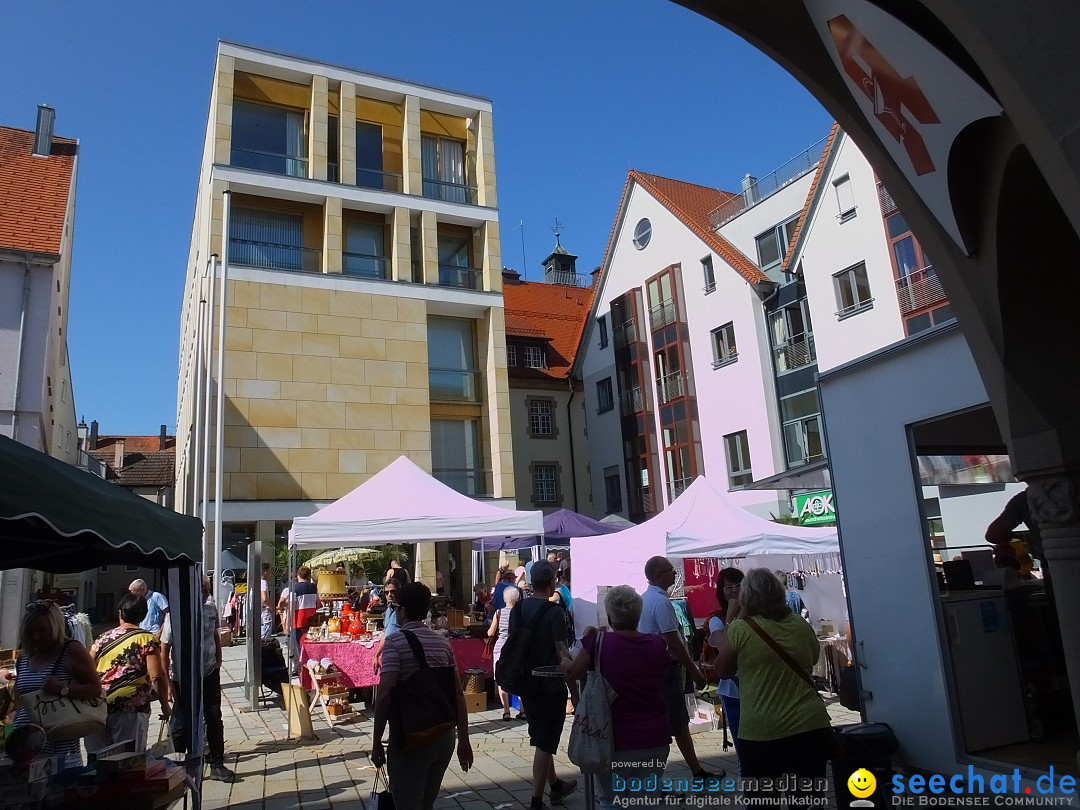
404	504
701	522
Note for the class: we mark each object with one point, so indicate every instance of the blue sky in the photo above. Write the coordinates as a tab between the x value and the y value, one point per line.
582	92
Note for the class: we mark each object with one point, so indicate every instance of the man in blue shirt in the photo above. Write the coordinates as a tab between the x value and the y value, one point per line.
391	622
157	606
658	617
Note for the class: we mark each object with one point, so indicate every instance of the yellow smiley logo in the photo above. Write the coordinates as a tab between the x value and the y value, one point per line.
861	783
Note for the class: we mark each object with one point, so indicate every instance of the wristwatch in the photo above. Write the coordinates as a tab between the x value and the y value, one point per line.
64	690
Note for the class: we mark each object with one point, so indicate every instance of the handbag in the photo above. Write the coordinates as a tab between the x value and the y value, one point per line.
65	718
592	744
835	751
491	641
381	799
425	706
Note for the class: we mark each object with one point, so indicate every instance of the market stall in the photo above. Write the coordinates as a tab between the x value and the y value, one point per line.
404	504
356	659
702	523
57	518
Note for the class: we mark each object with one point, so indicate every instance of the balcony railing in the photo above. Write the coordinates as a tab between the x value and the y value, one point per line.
564	278
467	278
247	253
919	290
631	402
380	181
795	354
675	488
640	501
451	192
453	385
623	334
670	387
662	314
363	265
273	162
467	481
766	186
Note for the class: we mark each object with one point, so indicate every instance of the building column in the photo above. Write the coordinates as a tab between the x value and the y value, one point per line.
318	146
488	258
424	568
411	167
223	103
484	159
347	134
1054	499
429	247
401	245
332	235
497	390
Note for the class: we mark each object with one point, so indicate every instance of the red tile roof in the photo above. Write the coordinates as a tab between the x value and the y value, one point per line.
33	191
549	312
145	465
136	444
692	204
790	253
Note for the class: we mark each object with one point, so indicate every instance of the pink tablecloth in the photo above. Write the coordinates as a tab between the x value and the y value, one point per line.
356	661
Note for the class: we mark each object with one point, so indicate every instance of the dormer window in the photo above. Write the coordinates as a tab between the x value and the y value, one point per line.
534	357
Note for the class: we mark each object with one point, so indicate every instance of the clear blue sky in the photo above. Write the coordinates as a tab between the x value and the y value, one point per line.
582	92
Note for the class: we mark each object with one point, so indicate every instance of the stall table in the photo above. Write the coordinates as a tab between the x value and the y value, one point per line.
356	660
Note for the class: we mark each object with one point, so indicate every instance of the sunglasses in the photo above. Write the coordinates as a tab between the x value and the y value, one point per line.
39	606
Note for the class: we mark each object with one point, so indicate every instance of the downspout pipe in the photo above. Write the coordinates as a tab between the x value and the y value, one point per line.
570	430
22	348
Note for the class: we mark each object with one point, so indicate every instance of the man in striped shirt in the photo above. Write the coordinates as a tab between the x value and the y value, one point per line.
416	775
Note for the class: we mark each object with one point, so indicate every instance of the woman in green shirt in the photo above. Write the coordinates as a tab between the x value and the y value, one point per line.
783	727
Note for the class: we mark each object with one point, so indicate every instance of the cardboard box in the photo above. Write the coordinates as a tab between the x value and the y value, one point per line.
225	634
475	702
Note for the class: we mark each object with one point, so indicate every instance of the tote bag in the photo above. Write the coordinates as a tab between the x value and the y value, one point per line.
65	718
592	744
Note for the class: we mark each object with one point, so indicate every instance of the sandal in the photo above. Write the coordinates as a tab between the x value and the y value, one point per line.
521	716
506	715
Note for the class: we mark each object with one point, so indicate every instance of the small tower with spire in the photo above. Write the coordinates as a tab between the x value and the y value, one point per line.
560	267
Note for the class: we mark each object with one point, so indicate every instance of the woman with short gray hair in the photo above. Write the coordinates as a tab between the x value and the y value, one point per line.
500	630
783	727
633	664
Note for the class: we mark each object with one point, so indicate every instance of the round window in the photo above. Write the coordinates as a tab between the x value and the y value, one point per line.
642	234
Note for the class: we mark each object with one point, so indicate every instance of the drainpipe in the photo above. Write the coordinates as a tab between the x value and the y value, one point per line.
570	430
19	358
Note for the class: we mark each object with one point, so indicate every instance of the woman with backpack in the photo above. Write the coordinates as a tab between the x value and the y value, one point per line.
561	597
499	630
728	585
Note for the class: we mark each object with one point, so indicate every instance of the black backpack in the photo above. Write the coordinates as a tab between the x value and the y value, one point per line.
514	670
425	705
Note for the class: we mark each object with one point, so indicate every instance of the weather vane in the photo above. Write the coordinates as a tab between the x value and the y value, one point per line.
557	229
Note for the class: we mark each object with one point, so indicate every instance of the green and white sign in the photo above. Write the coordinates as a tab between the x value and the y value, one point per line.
815	508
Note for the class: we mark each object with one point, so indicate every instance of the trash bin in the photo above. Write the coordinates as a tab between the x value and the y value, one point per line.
863	745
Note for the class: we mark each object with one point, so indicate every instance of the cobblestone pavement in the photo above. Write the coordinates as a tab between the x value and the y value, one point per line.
275	773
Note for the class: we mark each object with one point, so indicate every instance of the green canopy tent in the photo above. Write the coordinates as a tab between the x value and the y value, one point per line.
57	518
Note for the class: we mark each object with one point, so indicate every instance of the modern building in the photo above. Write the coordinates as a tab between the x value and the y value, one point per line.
356	217
544	324
38	173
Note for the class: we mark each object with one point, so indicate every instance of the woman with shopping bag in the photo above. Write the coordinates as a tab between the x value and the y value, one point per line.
51	665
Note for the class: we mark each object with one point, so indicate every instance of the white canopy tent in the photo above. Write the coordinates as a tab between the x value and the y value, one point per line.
404	504
701	522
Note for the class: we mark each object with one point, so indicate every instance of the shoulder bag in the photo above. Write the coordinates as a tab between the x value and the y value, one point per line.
491	641
592	741
802	673
65	718
425	706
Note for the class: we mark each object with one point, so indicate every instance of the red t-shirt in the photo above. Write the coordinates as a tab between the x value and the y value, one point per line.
307	602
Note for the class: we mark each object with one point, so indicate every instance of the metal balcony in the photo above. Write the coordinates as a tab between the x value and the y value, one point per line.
467	481
623	334
631	402
451	192
640	501
466	278
919	290
675	488
363	265
670	387
794	354
247	253
661	315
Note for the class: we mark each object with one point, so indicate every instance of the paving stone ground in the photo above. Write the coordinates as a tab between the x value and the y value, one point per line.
275	773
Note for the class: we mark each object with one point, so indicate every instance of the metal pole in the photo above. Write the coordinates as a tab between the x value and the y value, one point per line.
196	494
208	364
254	623
219	472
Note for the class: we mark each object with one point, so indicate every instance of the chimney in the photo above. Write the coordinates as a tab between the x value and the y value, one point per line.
511	276
162	439
43	133
750	189
118	454
93	434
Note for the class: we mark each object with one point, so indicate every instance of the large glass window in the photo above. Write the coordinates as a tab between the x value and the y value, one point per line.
545	483
605	397
852	289
737	448
369	156
612	490
365	253
442	163
452	370
271	239
723	345
772	245
455	455
333	153
541	422
792	337
269	138
801	416
454	267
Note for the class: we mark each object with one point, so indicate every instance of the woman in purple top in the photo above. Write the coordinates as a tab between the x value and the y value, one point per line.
633	664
